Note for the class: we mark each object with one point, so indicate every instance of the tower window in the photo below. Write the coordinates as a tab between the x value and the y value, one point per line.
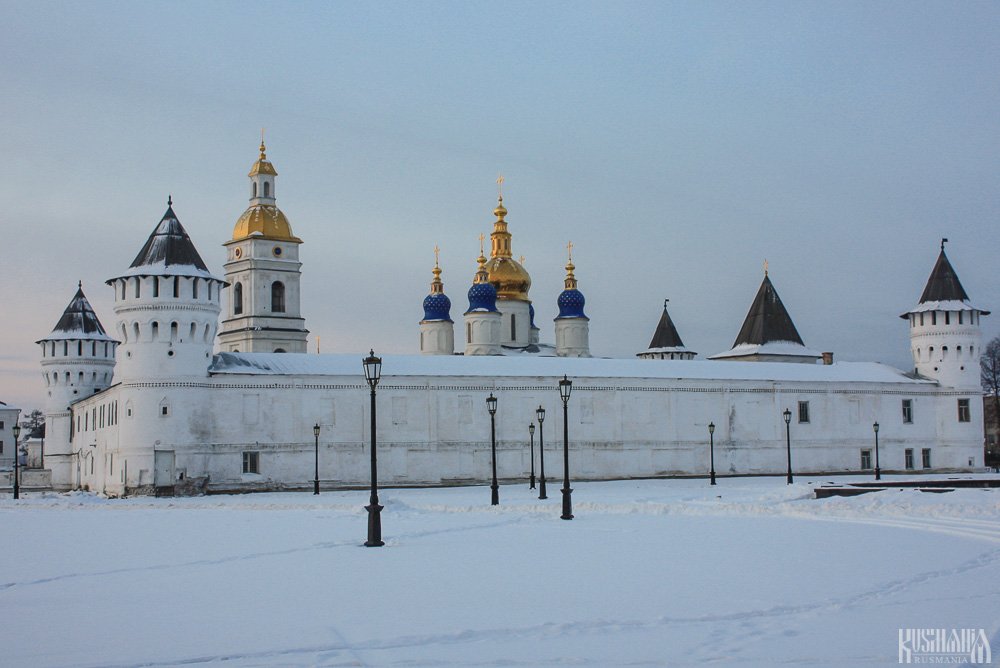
267	188
79	348
933	317
238	299
513	327
156	286
278	297
255	189
194	288
960	317
468	332
177	287
137	282
964	414
947	317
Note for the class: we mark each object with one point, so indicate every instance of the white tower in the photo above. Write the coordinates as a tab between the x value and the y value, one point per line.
945	338
78	360
437	330
167	305
482	320
263	314
572	324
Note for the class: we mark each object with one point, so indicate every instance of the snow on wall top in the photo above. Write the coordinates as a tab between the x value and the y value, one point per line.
489	367
790	348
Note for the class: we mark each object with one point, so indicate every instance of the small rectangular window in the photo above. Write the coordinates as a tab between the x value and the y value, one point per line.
947	317
866	460
1	446
251	462
803	411
908	454
907	411
1	424
963	411
925	456
960	318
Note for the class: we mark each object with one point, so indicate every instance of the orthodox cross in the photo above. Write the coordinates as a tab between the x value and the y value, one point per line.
765	267
500	186
569	247
437	256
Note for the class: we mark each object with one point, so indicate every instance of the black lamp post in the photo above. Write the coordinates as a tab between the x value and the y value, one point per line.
16	429
316	479
531	432
540	414
373	371
565	387
788	441
491	406
878	472
711	450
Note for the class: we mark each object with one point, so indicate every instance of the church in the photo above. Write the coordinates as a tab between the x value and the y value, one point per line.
204	383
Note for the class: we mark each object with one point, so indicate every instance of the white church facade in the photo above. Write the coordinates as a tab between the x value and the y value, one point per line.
192	391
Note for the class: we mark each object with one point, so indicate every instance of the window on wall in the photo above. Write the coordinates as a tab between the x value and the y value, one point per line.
278	297
963	411
933	317
907	411
137	280
468	332
866	460
925	458
803	411
238	298
908	458
513	327
194	288
251	462
177	287
156	286
947	317
267	188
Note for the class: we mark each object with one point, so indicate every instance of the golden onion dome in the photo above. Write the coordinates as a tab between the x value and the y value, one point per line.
509	278
263	165
265	221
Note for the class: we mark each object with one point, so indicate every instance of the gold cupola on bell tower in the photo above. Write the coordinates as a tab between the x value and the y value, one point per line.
506	274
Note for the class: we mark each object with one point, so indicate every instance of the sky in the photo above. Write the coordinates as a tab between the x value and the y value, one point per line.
677	145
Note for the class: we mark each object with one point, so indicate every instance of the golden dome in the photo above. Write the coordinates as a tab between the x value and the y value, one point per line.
509	278
262	166
265	221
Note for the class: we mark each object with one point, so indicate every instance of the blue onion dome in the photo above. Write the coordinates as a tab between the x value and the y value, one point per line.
437	306
571	300
482	294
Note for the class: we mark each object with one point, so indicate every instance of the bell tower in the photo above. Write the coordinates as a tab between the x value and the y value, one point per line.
263	313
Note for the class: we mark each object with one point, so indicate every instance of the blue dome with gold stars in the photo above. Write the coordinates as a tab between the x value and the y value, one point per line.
571	304
482	297
437	307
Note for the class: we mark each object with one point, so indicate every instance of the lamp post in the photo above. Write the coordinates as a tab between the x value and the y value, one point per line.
540	415
531	432
565	387
316	479
16	429
788	441
878	472
491	406
711	450
373	370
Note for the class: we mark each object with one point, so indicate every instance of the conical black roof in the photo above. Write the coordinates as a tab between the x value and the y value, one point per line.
767	320
943	284
666	335
169	244
79	321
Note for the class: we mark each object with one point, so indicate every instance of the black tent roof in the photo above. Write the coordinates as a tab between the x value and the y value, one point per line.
768	320
169	244
666	335
79	320
943	284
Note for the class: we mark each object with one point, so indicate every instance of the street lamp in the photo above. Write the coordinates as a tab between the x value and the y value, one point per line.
878	472
711	450
788	441
491	406
16	429
540	414
316	479
373	370
565	387
531	432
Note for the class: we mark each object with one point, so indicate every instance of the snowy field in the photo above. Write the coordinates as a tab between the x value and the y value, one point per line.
650	573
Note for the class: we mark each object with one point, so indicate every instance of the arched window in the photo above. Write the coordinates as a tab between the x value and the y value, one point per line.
177	287
93	349
279	350
194	288
137	282
933	317
513	327
156	286
267	188
79	348
237	299
135	331
278	297
255	189
65	348
173	332
156	330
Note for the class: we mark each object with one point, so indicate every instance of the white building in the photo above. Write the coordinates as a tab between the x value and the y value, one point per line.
8	418
177	419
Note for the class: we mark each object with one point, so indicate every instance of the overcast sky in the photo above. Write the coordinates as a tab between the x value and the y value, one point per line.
678	145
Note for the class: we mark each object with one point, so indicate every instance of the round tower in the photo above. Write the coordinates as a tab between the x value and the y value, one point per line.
482	320
945	338
78	360
437	330
167	306
572	325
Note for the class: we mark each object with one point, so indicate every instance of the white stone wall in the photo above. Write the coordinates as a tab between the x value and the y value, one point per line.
945	350
437	337
518	311
436	429
482	333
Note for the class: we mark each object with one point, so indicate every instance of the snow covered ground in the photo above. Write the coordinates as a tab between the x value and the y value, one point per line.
650	573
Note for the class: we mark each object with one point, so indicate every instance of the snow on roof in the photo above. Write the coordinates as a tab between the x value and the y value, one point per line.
791	348
667	349
78	322
490	367
944	305
163	269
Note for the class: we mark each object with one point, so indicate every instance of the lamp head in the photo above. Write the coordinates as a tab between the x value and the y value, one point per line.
491	404
16	429
540	414
531	428
788	416
711	427
373	368
316	429
565	387
875	427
